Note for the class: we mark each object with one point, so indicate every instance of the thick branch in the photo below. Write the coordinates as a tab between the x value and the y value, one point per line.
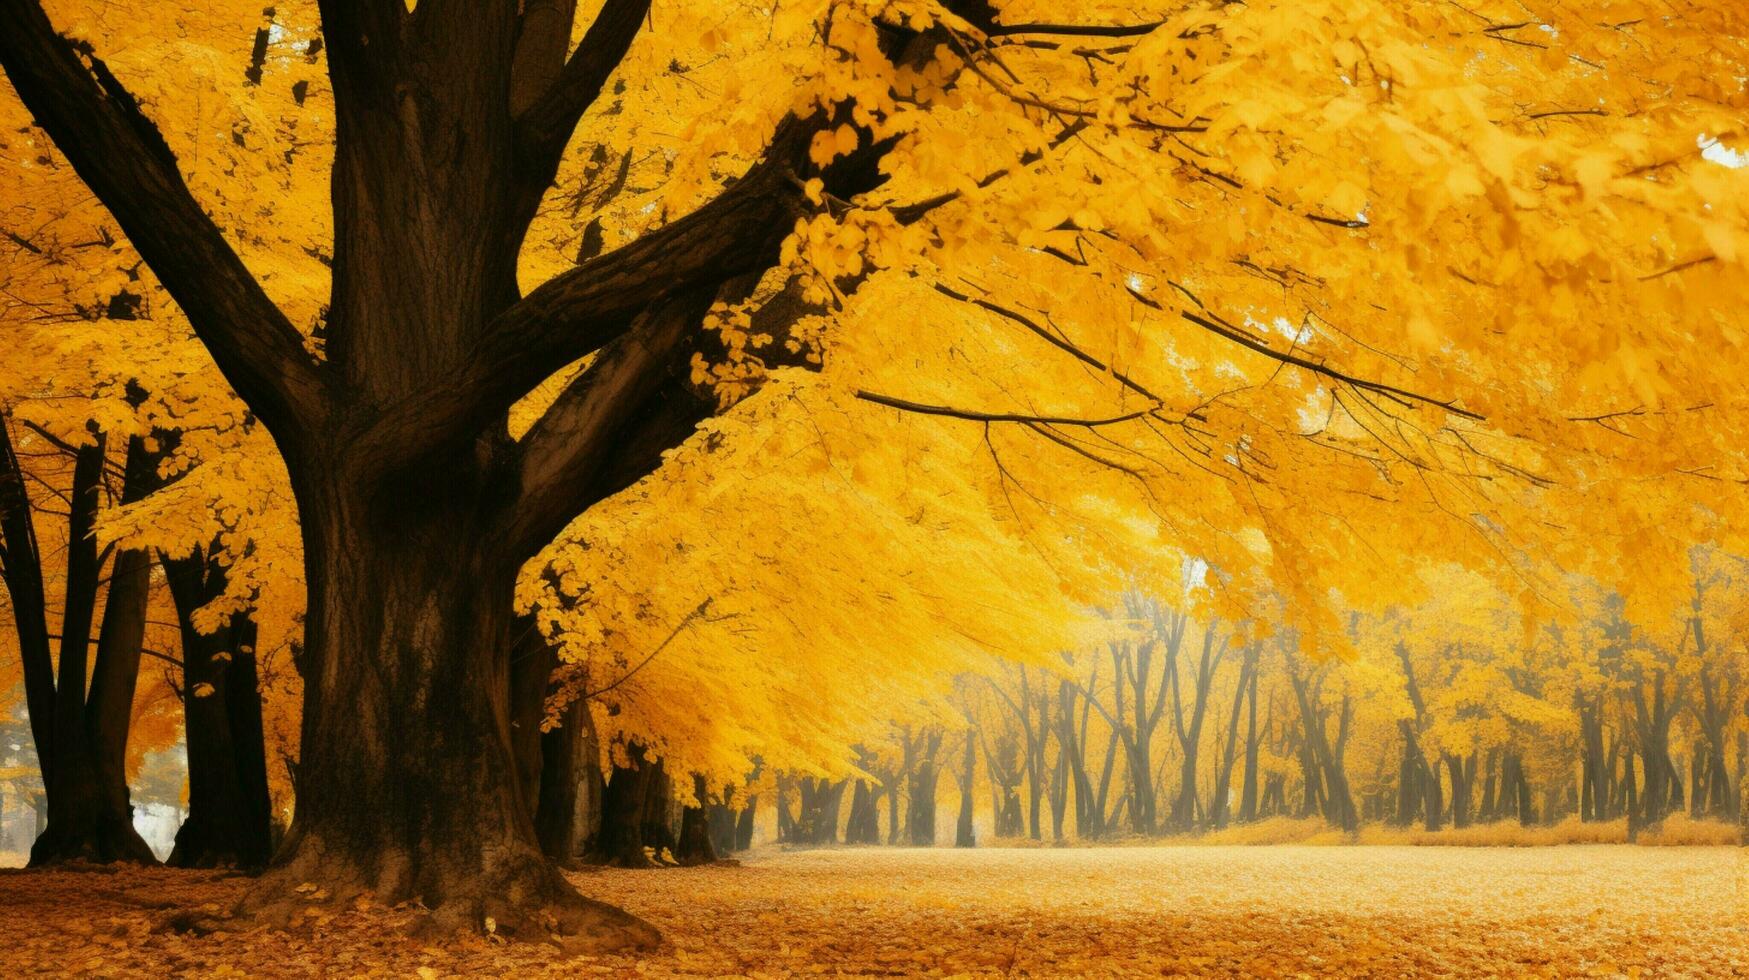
586	308
543	128
121	156
1076	30
564	453
543	34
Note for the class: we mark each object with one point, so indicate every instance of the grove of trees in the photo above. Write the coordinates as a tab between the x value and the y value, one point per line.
488	434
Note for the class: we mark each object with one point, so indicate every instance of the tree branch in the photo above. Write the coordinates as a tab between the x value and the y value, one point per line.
582	310
1400	395
988	417
563	455
123	158
545	124
1075	30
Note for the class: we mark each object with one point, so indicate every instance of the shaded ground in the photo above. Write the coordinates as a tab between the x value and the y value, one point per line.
1216	911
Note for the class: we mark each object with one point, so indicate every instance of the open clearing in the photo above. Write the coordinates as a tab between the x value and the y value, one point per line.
1215	911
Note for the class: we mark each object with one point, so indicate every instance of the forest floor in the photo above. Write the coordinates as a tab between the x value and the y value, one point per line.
1197	911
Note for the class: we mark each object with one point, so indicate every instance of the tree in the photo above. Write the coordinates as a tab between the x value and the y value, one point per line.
81	733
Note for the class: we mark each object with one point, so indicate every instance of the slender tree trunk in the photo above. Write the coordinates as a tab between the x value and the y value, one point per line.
94	818
89	816
1221	806
1248	796
963	833
744	824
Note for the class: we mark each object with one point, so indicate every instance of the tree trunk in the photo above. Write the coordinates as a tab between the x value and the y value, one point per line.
90	817
744	824
568	780
532	660
229	808
620	842
694	844
863	826
659	810
920	814
1221	806
963	833
1248	796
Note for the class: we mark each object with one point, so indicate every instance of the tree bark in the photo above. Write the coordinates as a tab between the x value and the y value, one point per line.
229	809
694	843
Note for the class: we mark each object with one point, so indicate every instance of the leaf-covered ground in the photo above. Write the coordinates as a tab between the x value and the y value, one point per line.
1216	911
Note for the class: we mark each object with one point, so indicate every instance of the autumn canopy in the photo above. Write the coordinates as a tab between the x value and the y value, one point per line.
452	391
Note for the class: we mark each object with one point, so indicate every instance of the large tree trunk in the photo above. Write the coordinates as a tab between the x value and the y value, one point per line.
620	841
416	509
408	786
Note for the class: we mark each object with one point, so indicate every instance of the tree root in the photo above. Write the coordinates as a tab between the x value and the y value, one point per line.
526	900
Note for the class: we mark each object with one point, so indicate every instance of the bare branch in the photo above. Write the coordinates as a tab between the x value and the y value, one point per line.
988	417
543	128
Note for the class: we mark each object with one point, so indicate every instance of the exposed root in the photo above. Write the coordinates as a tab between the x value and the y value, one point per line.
520	900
